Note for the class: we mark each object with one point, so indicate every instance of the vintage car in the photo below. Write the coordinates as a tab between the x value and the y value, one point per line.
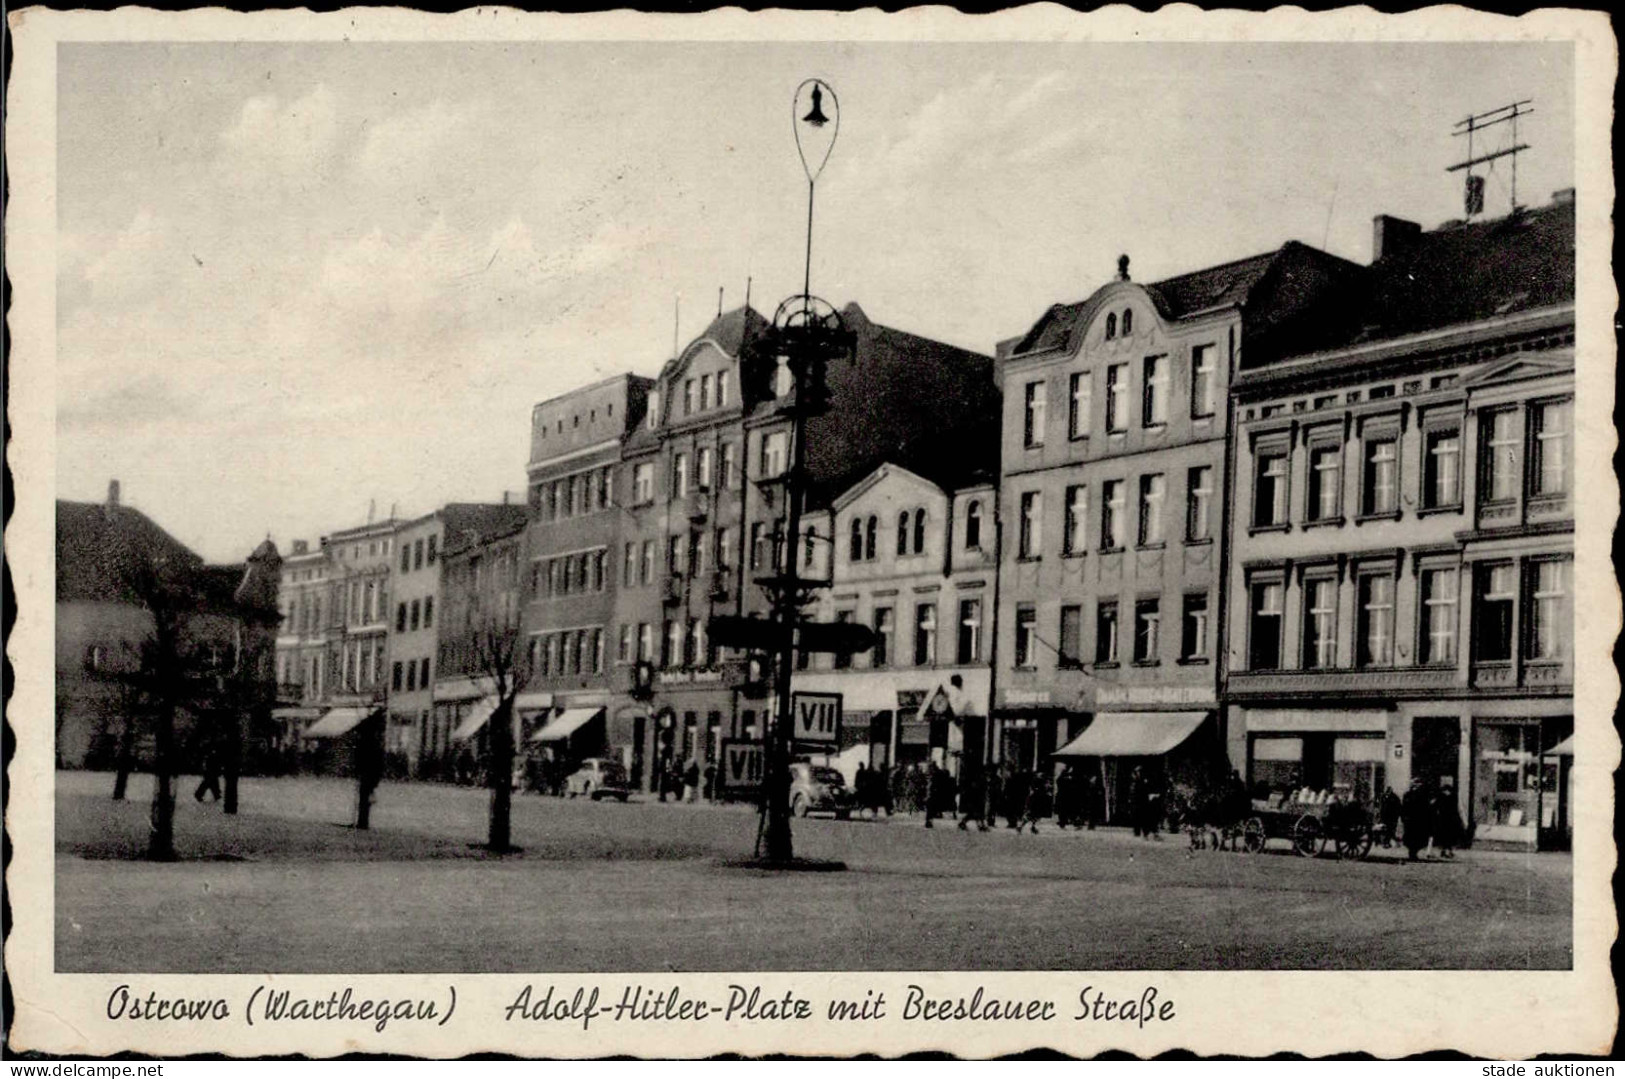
815	788
598	778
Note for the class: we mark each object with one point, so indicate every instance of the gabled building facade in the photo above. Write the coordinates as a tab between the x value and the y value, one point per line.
1402	579
1115	434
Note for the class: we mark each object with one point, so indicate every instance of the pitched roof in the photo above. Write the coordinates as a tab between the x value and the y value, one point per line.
470	524
1453	275
94	539
1270	288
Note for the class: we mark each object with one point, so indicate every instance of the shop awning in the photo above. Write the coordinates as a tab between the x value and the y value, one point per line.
532	702
1565	748
296	713
337	723
474	720
566	723
1133	734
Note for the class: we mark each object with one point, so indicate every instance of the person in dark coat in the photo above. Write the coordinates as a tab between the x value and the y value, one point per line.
933	792
209	768
1037	804
1015	797
1390	811
1447	826
1093	801
993	796
1416	811
972	800
1138	798
1066	797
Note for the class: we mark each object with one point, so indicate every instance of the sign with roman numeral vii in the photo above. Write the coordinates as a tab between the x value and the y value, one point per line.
743	763
817	717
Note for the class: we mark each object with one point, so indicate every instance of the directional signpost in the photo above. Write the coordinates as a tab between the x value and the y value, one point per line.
744	764
817	718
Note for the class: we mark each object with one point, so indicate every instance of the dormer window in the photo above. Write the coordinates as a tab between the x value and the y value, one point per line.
1111	325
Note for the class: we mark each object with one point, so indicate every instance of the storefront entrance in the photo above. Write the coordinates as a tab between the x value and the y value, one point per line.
1516	780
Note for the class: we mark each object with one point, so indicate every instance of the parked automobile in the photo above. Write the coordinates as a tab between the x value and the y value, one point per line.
815	788
598	778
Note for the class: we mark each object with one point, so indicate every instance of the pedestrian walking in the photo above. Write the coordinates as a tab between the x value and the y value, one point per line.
1093	801
993	796
1015	797
1139	798
1066	797
1037	804
1416	813
1447	826
710	781
209	767
1390	811
897	787
972	799
691	781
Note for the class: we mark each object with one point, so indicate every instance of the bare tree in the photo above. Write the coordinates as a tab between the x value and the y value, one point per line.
499	656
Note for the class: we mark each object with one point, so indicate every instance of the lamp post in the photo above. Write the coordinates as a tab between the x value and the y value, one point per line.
807	333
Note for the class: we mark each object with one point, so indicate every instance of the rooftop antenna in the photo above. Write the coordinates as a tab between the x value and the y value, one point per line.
719	301
1474	191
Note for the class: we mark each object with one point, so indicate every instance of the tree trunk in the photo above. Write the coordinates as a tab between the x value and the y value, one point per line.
501	779
369	767
161	841
232	752
126	758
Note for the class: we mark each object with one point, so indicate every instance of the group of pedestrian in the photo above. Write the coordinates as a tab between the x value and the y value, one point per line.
1428	814
679	781
1079	798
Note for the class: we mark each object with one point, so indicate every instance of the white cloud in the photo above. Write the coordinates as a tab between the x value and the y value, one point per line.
130	265
287	145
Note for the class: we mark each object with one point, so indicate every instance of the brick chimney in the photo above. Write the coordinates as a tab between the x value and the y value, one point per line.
1390	234
112	495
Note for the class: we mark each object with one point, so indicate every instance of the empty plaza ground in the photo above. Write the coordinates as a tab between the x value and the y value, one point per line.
285	886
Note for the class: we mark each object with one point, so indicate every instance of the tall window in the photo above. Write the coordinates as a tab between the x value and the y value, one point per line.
871	529
1077	518
730	464
1081	392
1269	492
679	475
705	391
1202	380
1199	503
688	397
854	551
970	631
1549	619
1111	515
773	453
646	641
677	556
919	531
1193	635
647	570
1033	421
428	612
629	565
1071	636
885	627
1441	481
1128	321
643	483
725	548
703	463
757	534
1503	450
1325	482
722	389
902	533
1264	630
1320	623
623	646
671	654
694	655
1026	628
925	634
1376	620
1117	397
1106	631
1111	325
1553	423
431	552
1153	491
1147	630
1439	593
973	526
1381	475
1031	538
1154	394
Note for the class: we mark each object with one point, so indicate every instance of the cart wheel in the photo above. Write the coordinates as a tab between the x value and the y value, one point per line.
1252	835
1355	843
1307	837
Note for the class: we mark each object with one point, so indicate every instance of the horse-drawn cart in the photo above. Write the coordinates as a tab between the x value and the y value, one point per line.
1313	823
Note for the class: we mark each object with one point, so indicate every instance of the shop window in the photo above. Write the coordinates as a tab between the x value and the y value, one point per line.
1106	632
1033	415
1320	623
1495	596
1147	630
1439	594
1070	652
1553	421
1026	630
1264	629
1549	615
1514	785
1269	490
1277	763
1325	483
1080	394
1359	769
1193	629
1376	629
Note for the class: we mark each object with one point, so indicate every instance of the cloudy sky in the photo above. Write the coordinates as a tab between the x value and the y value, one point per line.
294	280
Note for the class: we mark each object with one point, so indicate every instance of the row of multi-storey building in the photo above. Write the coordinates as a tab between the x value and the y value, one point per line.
1295	515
